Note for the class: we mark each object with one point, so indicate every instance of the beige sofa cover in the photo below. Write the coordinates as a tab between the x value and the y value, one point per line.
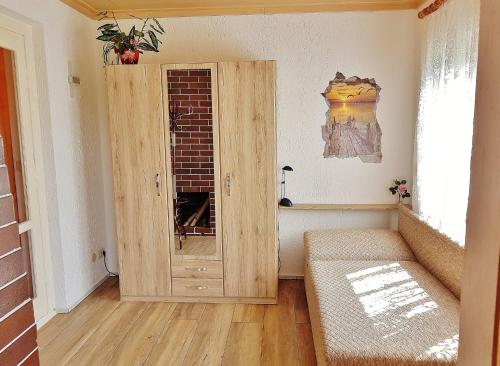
372	303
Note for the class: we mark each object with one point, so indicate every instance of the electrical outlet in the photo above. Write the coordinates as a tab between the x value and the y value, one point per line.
94	257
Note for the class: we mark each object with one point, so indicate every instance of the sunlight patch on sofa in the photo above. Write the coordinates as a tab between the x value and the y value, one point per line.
387	288
445	350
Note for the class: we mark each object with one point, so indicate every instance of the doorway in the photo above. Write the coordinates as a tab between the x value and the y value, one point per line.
19	127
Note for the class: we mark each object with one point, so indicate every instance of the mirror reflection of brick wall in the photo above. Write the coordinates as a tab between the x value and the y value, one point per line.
194	161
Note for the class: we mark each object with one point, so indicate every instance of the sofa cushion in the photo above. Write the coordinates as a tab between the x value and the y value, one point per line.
438	254
380	313
356	245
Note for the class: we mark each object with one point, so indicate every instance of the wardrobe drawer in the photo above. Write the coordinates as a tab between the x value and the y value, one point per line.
197	269
197	287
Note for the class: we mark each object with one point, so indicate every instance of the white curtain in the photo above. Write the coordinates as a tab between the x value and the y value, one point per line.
445	118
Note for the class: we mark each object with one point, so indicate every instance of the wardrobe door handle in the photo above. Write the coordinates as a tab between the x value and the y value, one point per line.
199	288
197	269
228	184
157	183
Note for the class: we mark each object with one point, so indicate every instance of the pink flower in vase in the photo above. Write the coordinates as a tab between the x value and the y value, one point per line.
402	189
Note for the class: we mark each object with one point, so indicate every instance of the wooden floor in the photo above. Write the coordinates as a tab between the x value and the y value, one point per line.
105	331
196	245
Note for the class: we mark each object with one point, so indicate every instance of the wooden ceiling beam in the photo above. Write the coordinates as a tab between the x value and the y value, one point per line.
293	7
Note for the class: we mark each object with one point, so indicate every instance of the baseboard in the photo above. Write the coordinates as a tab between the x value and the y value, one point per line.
44	319
290	276
77	302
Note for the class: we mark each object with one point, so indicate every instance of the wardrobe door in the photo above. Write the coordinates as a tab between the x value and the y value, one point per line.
138	153
248	171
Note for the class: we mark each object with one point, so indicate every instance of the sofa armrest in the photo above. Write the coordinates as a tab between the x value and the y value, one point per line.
356	245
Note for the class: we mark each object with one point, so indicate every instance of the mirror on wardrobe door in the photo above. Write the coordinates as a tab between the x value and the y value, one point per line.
193	126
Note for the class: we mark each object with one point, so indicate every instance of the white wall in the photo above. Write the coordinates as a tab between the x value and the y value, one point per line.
310	49
71	139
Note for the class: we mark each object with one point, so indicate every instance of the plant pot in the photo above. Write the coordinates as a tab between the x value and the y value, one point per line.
129	57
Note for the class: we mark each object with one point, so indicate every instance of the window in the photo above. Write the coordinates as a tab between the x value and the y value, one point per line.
446	114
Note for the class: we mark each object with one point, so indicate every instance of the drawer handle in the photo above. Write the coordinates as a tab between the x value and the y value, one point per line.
200	288
197	269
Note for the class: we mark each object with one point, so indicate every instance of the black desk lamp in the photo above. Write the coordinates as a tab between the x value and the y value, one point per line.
285	201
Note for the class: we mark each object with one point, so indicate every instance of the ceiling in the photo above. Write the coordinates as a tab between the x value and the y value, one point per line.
180	8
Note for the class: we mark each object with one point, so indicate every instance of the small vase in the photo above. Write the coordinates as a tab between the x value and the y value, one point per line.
129	57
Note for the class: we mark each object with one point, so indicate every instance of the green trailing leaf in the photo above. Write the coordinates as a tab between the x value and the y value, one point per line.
154	39
132	32
159	25
107	26
155	29
110	32
106	38
106	50
138	33
146	47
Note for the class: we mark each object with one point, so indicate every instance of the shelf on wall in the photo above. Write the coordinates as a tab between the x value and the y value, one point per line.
354	207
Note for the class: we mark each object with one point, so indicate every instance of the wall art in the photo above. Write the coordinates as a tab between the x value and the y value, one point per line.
351	128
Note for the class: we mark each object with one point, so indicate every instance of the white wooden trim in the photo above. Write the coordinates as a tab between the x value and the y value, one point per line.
25	226
10	252
14	310
13	281
28	356
15	339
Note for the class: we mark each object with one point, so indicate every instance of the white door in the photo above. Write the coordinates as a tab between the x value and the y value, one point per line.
15	40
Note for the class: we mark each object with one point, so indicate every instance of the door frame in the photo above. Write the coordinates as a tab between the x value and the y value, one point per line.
17	36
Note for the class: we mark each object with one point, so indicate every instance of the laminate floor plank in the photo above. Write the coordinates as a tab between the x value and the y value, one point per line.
174	343
243	346
101	345
188	311
74	336
207	347
248	313
279	341
143	335
305	343
301	311
108	290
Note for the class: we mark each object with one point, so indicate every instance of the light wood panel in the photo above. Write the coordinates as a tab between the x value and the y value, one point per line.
217	188
139	173
197	269
340	207
197	287
179	8
248	170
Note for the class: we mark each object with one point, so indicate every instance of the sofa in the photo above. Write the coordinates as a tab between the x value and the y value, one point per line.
382	297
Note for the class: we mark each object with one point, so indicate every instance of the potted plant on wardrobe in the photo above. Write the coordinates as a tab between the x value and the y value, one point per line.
129	45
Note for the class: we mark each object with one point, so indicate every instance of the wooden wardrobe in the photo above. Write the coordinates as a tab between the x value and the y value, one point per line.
221	152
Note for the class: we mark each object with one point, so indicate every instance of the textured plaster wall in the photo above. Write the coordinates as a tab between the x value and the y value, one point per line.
310	49
71	143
